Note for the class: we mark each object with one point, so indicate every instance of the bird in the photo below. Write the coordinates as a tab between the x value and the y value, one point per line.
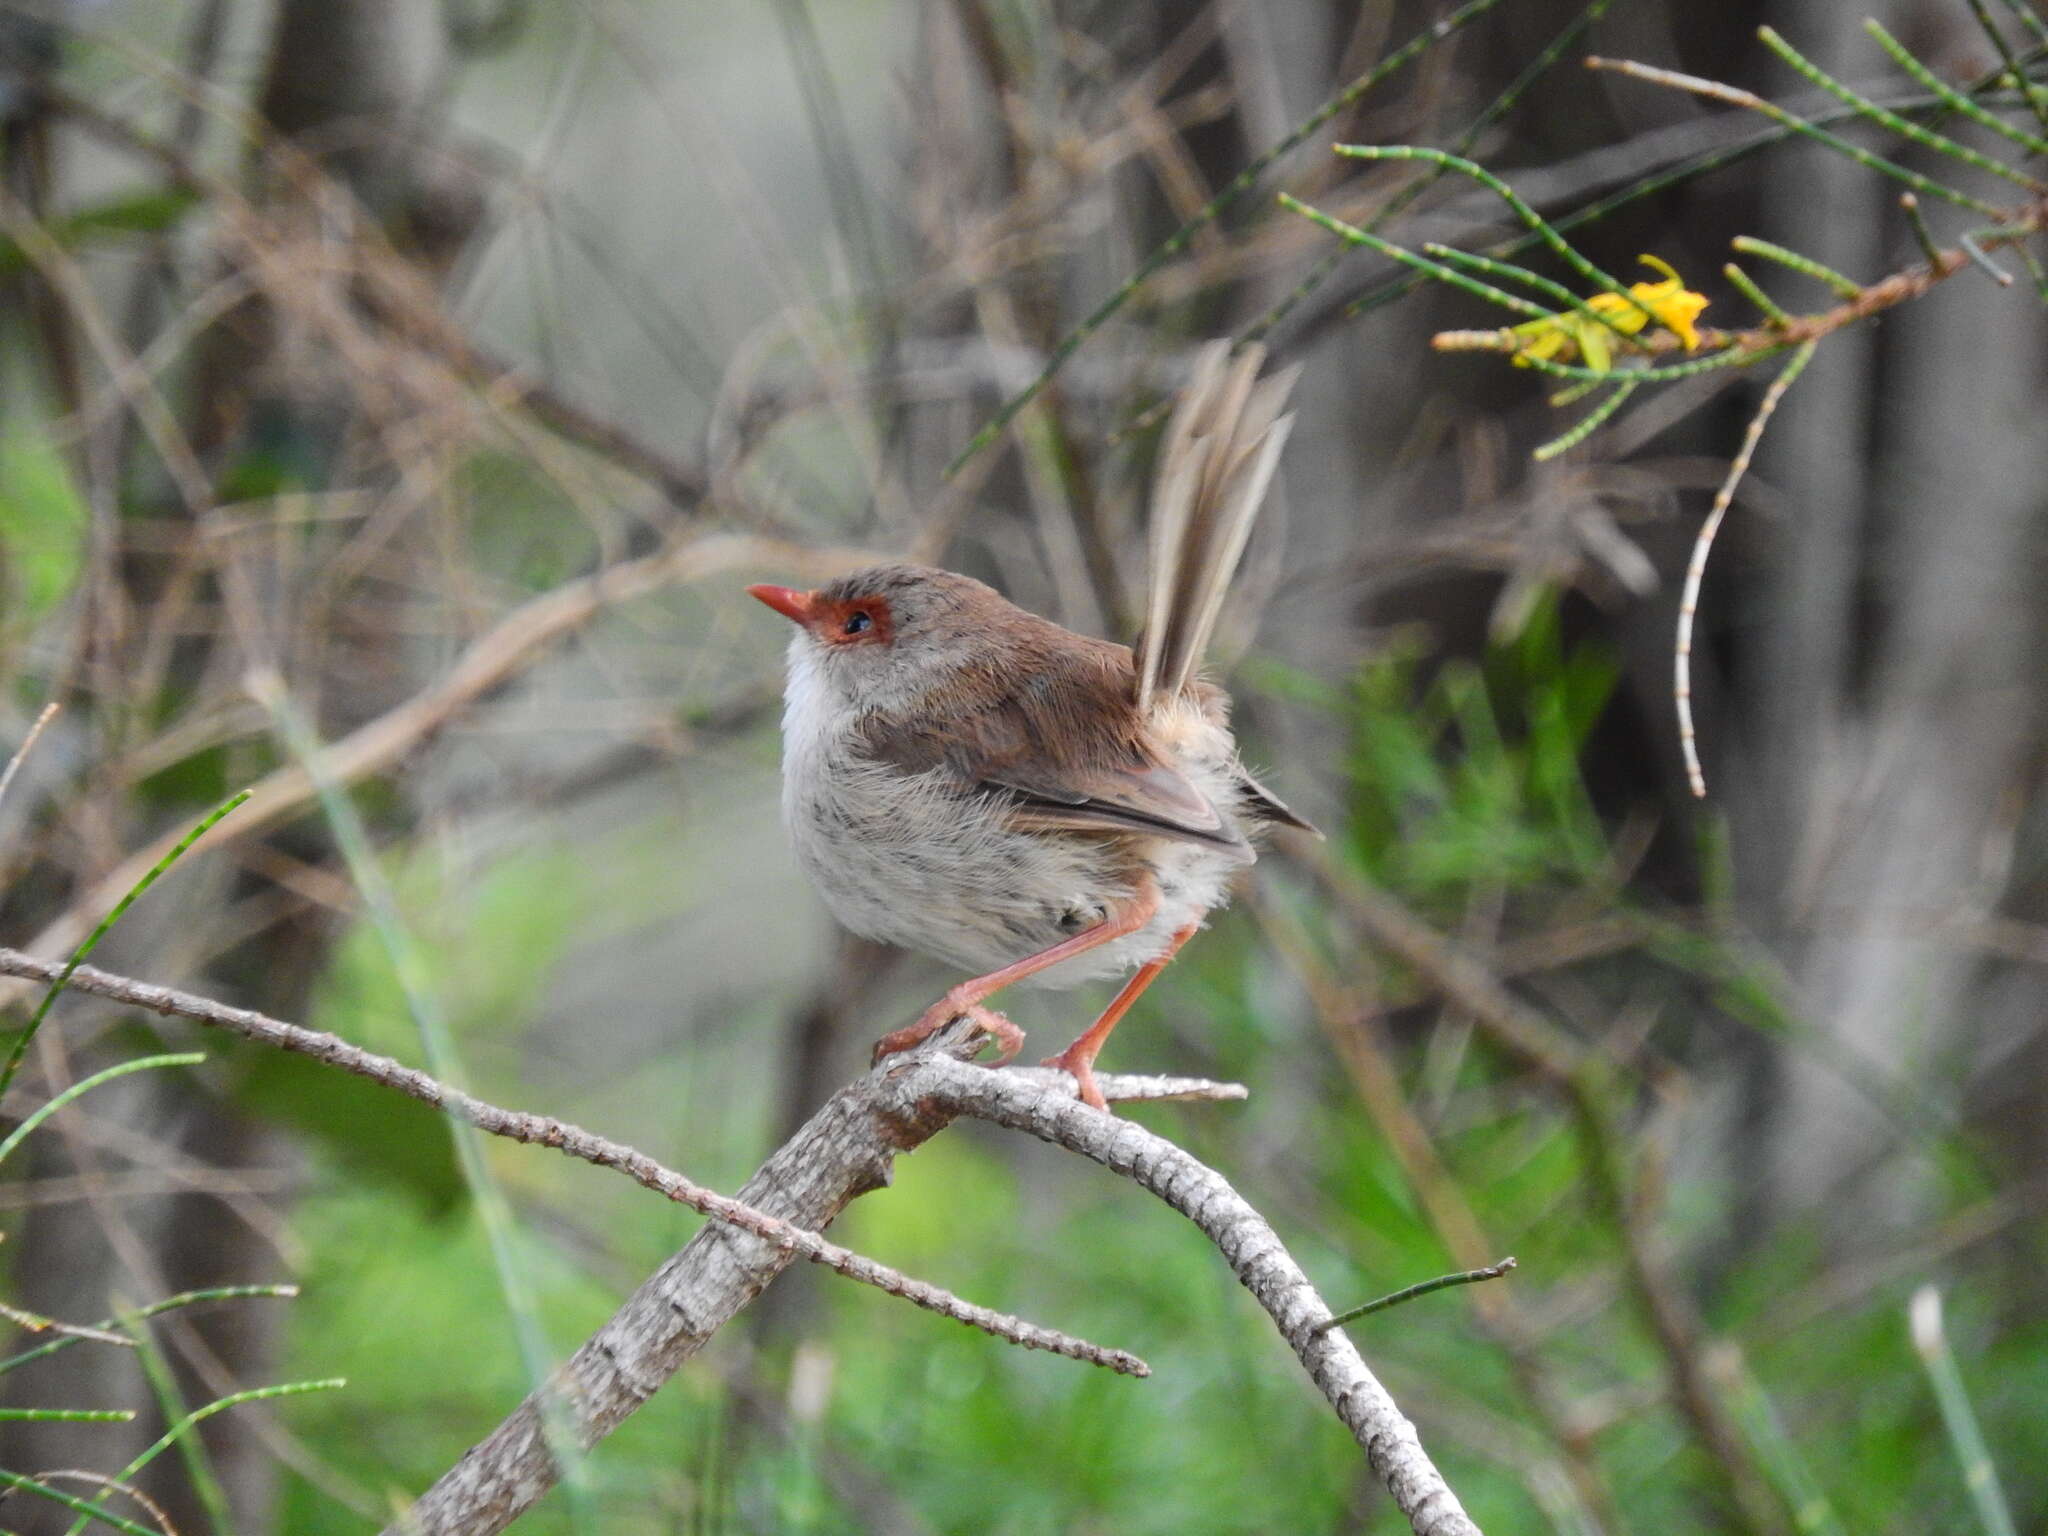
966	779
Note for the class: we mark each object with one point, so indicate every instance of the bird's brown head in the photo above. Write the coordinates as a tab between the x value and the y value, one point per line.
881	637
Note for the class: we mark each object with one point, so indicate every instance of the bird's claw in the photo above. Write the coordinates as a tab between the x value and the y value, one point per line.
1008	1037
1082	1070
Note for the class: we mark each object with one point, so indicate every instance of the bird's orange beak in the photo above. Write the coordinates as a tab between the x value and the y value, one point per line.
787	601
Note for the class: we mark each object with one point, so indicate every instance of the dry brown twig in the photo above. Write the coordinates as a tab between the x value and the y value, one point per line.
28	742
496	657
845	1150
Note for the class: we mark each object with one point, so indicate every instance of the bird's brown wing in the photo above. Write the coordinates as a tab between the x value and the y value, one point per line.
1053	728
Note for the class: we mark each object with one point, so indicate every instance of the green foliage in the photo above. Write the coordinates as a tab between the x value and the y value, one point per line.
43	520
495	939
371	1133
131	1321
523	527
149	212
1467	776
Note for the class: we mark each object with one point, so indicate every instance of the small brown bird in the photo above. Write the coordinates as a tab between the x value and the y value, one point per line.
966	779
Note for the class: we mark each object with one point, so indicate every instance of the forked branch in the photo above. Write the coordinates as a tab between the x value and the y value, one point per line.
847	1149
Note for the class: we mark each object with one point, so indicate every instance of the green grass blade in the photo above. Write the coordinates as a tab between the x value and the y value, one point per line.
1955	100
1537	225
168	1304
1733	357
76	1090
1409	1293
180	1431
1587	425
1843	287
1813	1513
1486	266
2036	97
98	1512
1930	1342
1442	273
409	967
21	1043
206	1487
1905	128
1746	285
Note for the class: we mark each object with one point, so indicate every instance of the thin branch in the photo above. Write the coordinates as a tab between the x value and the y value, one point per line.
1980	1476
35	1322
1696	567
847	1150
28	742
573	1141
1735	96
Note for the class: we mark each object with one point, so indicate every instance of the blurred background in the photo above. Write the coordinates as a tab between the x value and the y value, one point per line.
395	398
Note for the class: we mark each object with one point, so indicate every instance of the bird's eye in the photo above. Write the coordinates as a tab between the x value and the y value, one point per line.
857	623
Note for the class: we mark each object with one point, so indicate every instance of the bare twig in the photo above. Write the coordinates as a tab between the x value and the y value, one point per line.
27	745
845	1150
1696	567
35	1322
573	1141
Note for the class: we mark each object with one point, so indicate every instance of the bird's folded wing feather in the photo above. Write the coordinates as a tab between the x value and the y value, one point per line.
1057	739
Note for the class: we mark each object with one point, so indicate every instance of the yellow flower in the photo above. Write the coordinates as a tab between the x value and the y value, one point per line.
1675	305
1566	336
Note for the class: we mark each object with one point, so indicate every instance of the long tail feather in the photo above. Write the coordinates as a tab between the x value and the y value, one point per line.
1218	458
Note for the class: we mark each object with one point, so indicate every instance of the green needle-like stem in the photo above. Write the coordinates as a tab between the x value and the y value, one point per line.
1441	1282
1905	128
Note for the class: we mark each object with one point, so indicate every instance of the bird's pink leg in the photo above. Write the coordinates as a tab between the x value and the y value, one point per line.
1079	1058
967	997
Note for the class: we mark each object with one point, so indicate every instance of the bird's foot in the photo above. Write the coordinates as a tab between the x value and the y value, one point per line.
1080	1067
1008	1037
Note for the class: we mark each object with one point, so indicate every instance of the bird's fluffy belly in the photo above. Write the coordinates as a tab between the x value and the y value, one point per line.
913	860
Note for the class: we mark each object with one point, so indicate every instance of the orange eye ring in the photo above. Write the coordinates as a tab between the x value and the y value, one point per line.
857	620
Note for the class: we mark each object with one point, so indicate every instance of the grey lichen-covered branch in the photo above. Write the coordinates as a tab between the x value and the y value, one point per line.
1254	1251
845	1150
